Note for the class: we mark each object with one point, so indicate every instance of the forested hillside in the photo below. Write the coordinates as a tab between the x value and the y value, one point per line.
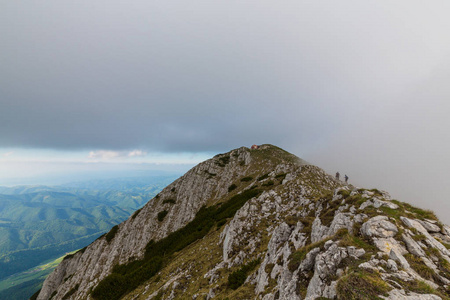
40	223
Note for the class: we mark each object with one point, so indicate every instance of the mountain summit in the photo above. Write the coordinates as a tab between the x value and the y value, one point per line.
261	223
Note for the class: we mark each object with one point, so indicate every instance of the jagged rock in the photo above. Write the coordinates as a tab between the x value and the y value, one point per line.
446	230
211	294
429	264
297	238
354	252
340	220
275	229
401	295
399	258
318	231
378	203
430	227
325	266
412	246
402	275
279	236
308	263
371	265
289	177
431	240
330	290
378	227
381	231
392	265
443	237
213	273
359	218
328	244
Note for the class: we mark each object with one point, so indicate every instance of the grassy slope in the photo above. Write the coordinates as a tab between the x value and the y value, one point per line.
188	260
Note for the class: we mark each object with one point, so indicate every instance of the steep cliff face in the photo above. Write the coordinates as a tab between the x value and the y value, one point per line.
275	228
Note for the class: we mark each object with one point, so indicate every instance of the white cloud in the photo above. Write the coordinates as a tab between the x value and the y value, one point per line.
103	154
137	153
8	154
109	154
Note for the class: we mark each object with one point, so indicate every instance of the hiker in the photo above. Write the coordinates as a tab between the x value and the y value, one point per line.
337	175
346	178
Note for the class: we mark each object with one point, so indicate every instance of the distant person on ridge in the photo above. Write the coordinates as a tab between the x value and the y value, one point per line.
337	175
346	178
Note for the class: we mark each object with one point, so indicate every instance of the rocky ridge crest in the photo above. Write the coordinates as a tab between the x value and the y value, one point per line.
303	236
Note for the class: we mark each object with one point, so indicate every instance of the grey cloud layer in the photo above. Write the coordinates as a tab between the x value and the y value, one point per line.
350	85
206	76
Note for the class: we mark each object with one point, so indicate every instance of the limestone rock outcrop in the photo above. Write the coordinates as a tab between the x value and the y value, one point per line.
301	235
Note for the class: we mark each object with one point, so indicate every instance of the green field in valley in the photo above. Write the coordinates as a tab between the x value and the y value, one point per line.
23	285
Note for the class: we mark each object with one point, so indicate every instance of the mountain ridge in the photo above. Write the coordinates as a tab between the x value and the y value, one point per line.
286	240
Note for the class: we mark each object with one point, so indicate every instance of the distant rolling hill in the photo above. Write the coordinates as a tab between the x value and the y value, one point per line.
39	223
21	285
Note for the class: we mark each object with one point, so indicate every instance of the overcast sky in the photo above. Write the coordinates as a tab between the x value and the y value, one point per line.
362	87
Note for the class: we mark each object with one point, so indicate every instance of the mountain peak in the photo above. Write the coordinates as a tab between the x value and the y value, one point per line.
260	223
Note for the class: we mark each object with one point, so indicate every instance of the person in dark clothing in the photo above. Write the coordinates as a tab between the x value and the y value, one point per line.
346	178
337	175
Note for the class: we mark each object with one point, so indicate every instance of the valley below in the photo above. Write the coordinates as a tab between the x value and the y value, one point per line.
39	225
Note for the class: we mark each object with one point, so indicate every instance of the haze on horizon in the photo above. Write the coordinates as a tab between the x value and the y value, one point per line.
356	87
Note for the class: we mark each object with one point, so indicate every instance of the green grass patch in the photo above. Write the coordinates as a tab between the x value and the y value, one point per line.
307	224
302	284
442	264
417	265
223	161
112	233
246	179
263	177
355	200
127	277
162	215
394	213
376	192
171	201
136	213
281	177
53	295
446	245
232	187
361	285
419	287
298	256
221	223
344	193
158	296
415	212
71	292
352	240
325	196
327	214
291	220
237	278
419	237
268	183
